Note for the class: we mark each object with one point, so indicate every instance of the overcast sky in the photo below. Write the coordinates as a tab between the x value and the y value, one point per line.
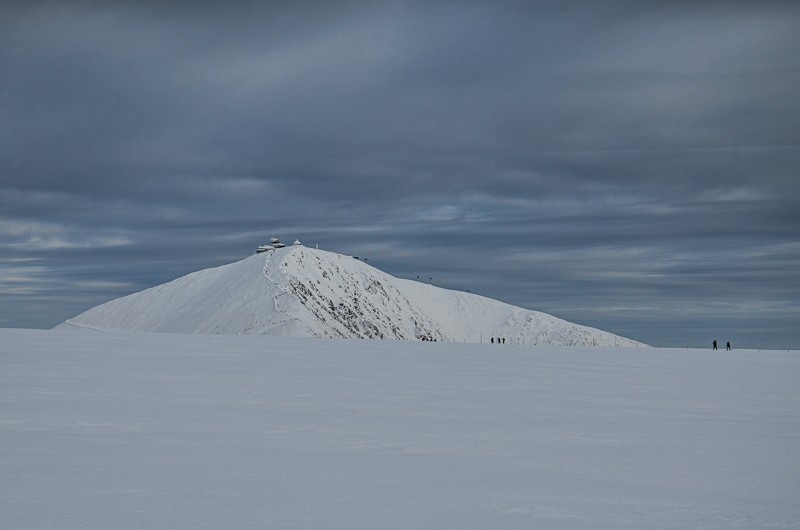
623	165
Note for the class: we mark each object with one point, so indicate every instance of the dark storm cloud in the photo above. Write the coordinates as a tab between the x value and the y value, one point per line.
619	164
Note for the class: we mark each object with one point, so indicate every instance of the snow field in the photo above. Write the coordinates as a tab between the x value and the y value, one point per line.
126	430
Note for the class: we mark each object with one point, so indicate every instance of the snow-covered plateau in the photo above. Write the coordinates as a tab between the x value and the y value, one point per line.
184	431
304	292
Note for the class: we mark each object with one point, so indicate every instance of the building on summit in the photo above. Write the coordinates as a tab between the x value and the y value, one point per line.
275	243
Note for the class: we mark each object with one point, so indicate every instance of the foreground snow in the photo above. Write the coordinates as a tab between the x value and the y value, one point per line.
115	430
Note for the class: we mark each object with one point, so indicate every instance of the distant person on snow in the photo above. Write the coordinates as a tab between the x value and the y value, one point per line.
492	339
715	344
729	345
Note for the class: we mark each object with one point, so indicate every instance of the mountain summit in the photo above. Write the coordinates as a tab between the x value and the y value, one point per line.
300	291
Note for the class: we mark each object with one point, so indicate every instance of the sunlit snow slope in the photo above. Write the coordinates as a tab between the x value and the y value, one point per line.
299	291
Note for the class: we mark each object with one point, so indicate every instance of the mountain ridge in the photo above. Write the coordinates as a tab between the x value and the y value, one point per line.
300	291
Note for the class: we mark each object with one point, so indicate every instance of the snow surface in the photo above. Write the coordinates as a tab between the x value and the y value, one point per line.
299	291
136	431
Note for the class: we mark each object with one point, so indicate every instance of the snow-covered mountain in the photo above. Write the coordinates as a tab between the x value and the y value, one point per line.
300	291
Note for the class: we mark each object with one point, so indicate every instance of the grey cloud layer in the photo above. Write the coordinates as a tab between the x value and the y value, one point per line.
658	145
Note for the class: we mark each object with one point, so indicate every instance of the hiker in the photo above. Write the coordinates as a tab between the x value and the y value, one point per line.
504	340
729	345
715	344
492	339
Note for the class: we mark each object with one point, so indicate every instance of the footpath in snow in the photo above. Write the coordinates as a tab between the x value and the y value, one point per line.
133	431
